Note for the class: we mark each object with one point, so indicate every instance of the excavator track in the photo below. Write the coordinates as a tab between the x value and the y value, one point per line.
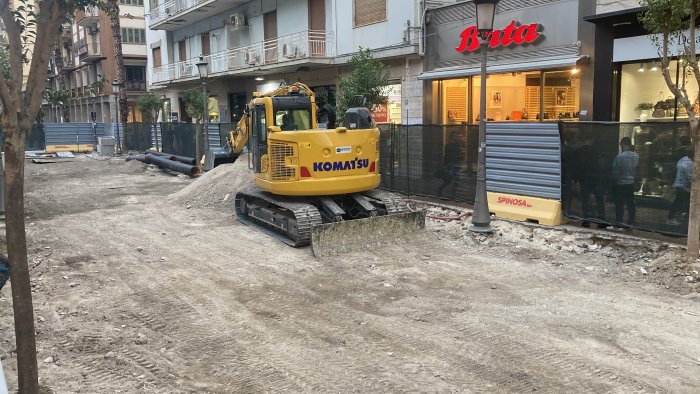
393	203
288	220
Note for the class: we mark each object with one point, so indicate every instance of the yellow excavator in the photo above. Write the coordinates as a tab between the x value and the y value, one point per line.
315	186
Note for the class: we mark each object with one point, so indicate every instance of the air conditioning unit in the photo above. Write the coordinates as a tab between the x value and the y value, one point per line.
250	57
237	20
289	50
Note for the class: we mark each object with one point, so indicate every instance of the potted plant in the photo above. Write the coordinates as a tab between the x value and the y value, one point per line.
644	109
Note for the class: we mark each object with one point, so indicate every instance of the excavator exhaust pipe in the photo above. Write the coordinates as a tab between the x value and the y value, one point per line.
353	235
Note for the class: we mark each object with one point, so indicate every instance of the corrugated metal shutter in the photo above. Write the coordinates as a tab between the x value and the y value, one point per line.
369	11
72	133
524	159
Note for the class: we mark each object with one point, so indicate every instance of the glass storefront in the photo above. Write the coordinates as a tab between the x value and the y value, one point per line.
645	96
517	96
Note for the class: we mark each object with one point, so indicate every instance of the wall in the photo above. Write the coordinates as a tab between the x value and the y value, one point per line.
604	6
377	35
558	35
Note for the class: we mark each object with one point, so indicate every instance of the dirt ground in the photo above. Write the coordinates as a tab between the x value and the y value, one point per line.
144	282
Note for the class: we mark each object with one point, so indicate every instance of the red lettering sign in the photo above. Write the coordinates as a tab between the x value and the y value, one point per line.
512	34
380	113
514	201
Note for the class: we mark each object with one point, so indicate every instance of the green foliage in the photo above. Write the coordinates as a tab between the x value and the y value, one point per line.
670	18
149	104
369	78
194	103
60	97
644	106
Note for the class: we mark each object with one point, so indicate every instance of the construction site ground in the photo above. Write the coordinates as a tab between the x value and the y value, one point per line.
144	282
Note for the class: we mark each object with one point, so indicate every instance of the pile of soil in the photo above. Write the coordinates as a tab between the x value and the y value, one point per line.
216	189
135	167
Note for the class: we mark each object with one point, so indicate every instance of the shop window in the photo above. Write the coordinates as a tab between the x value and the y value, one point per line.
213	109
391	111
453	99
366	12
509	97
645	95
561	95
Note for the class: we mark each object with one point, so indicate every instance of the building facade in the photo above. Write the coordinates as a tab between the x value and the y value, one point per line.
538	63
85	65
257	45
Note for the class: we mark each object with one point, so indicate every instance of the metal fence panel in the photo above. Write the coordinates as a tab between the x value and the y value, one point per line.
429	160
524	159
589	188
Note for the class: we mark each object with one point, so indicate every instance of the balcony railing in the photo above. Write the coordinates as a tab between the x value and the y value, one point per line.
136	86
298	46
171	8
89	50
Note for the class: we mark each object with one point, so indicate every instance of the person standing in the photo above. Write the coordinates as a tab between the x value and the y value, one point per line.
591	181
624	171
684	177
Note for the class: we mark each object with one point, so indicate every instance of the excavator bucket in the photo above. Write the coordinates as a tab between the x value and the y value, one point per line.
346	236
216	157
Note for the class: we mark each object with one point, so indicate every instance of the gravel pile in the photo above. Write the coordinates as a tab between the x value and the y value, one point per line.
216	189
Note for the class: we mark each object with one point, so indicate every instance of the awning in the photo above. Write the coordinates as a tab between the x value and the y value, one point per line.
502	68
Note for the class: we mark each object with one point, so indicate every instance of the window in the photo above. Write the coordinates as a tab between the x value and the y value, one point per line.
645	95
517	96
135	78
133	36
366	12
293	119
131	2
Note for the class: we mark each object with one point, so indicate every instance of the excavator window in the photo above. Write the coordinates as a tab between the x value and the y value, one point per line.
293	119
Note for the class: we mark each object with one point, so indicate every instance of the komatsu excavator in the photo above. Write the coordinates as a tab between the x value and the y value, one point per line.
315	186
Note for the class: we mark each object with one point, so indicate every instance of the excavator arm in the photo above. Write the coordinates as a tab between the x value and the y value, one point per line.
238	138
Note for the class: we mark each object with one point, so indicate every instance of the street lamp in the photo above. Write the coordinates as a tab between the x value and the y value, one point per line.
481	219
93	117
115	91
203	67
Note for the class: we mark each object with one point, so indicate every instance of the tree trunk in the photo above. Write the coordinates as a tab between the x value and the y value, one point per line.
119	58
28	376
693	243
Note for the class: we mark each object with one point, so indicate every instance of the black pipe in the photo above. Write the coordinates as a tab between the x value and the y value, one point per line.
181	159
141	158
163	162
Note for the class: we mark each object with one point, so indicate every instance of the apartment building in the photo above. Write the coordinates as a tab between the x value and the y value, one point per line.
89	64
257	45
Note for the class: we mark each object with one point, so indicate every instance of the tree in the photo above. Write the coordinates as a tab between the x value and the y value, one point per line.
672	28
194	105
150	105
31	28
113	11
369	78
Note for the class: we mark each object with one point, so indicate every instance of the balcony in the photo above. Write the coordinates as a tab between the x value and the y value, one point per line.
69	65
299	48
89	17
135	86
89	52
174	14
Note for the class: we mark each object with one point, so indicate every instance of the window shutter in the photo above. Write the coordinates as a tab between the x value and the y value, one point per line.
369	11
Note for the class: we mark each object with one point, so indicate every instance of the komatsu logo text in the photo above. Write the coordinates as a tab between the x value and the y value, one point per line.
327	166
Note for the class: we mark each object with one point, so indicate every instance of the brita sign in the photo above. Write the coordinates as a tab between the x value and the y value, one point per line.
513	34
